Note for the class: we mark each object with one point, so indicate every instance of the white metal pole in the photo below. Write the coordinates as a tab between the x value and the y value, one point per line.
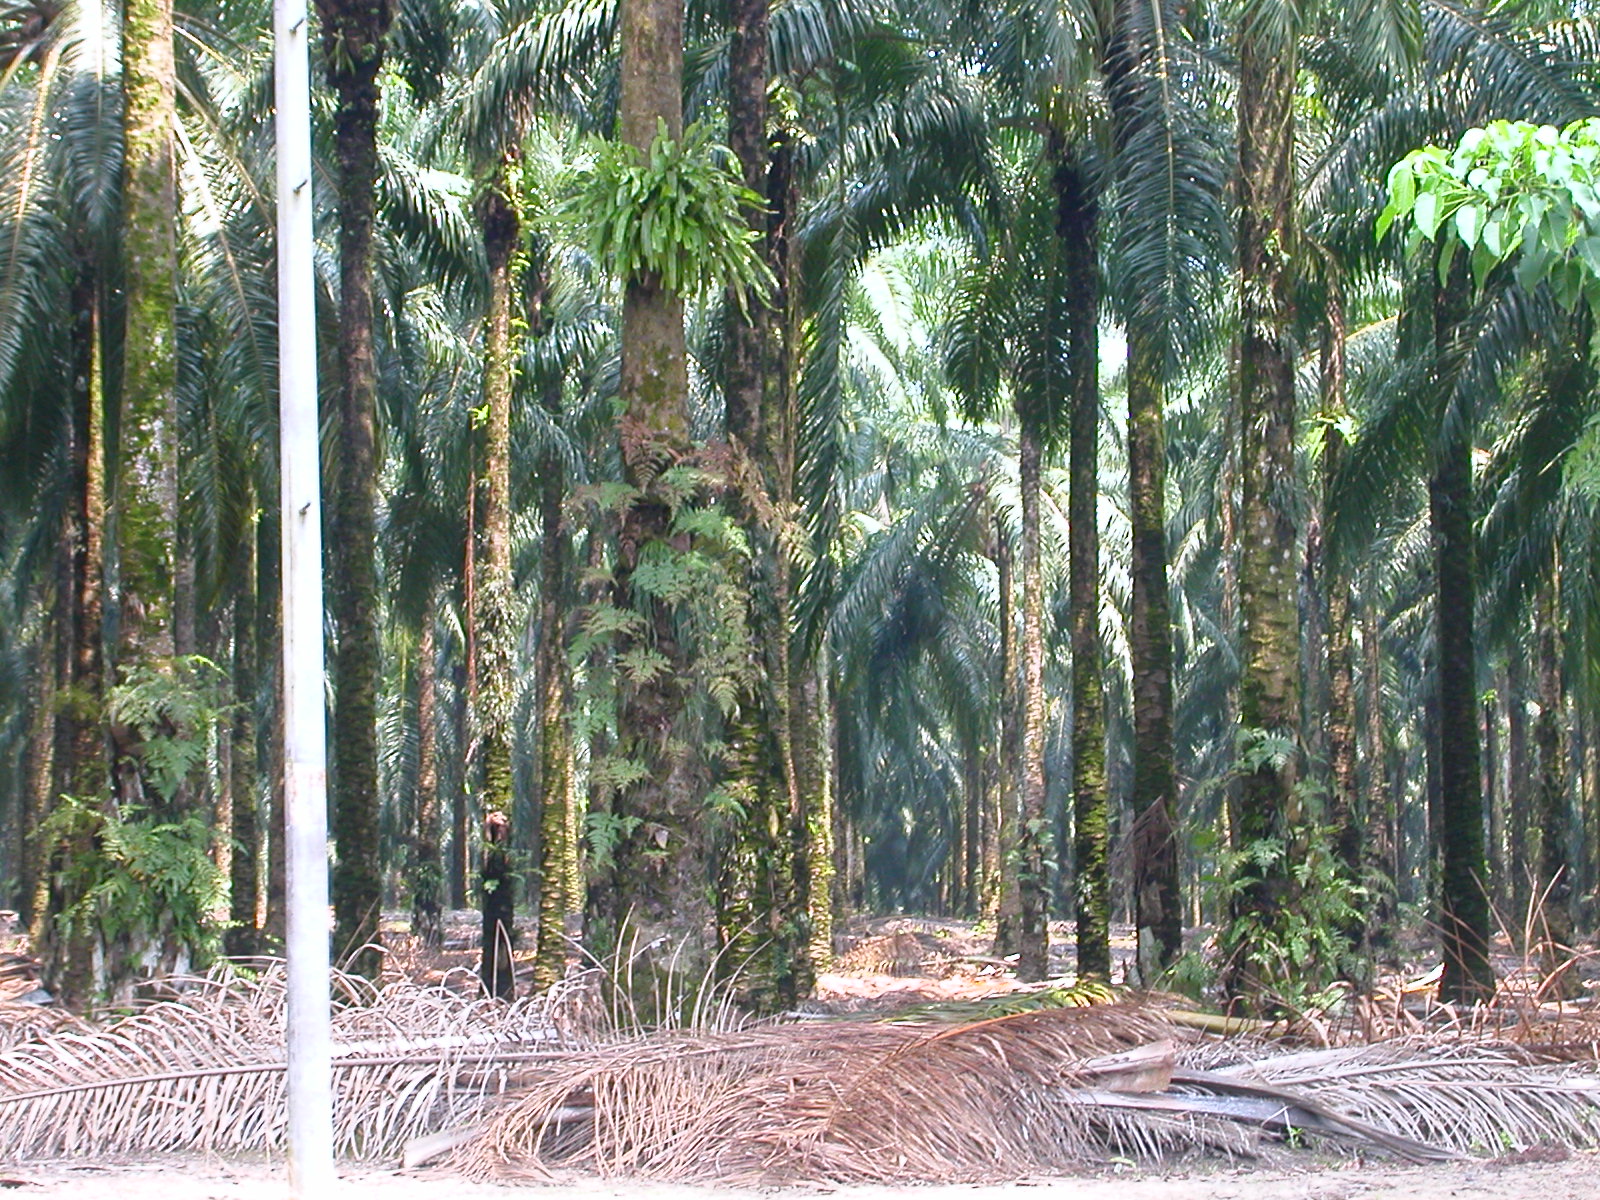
310	1075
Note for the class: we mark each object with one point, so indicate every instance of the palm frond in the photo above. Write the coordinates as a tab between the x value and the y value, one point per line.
205	1071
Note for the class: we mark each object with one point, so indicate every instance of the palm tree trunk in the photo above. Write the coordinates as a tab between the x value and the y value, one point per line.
244	875
972	833
814	761
745	337
1269	689
1464	902
556	846
144	498
807	720
763	912
81	763
1005	799
1033	908
1378	860
1518	772
495	596
1158	911
269	737
427	921
662	855
1555	868
1078	219
353	34
1344	805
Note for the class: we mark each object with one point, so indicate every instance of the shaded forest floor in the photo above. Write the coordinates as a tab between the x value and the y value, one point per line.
886	964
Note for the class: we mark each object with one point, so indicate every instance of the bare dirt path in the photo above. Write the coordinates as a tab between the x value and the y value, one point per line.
1575	1178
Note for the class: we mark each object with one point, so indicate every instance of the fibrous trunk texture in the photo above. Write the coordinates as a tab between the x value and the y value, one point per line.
426	866
1344	814
495	598
1463	900
145	489
1555	868
763	917
243	938
353	33
1033	909
1269	688
557	844
1004	797
1378	857
1158	913
80	763
1077	224
661	870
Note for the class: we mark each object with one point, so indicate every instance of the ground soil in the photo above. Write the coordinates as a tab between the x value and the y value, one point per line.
1573	1177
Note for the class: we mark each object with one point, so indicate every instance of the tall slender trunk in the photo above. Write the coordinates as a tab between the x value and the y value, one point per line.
763	895
427	887
746	334
1493	800
1519	800
556	847
1344	805
1555	865
662	852
145	490
1588	794
495	599
81	763
1005	797
1158	911
66	961
1269	688
1033	909
353	33
1464	901
1077	220
243	938
269	737
1379	867
810	723
815	763
972	833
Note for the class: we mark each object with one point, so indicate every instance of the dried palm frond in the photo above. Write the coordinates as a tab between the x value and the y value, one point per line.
1473	1098
901	953
1038	1091
27	1022
205	1071
853	1101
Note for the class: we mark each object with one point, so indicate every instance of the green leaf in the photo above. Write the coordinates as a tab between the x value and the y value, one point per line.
1427	214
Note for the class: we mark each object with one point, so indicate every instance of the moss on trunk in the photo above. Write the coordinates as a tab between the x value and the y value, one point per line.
1158	914
494	615
1267	810
1078	225
353	33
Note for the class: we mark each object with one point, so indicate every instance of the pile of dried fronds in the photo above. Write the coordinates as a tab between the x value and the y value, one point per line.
515	1090
204	1070
1038	1091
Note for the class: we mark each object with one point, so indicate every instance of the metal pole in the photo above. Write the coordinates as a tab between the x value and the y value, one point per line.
310	1074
